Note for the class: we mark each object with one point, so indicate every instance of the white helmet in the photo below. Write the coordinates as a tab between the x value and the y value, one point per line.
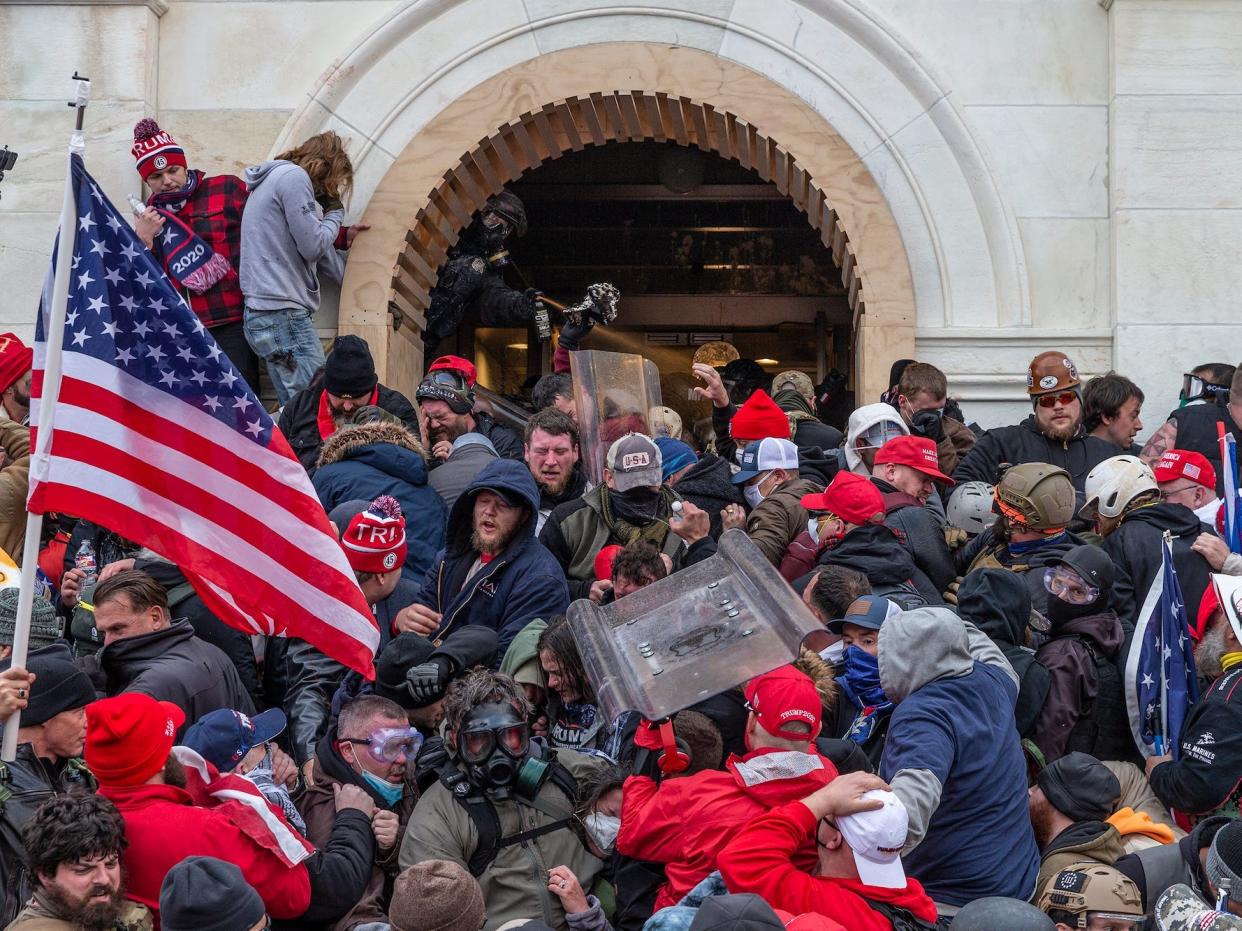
970	507
1113	484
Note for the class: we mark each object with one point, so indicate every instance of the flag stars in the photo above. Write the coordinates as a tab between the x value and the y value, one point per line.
129	303
71	318
241	403
99	248
113	276
170	329
212	402
129	251
84	279
228	378
141	328
110	328
199	378
144	279
1148	681
185	354
169	379
80	337
115	223
254	428
95	305
125	355
86	222
155	352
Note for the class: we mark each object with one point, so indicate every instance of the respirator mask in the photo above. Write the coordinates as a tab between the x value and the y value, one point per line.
494	743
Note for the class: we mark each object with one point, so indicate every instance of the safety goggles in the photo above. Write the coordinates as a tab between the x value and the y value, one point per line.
1066	398
389	744
476	746
446	379
1194	388
879	434
1068	585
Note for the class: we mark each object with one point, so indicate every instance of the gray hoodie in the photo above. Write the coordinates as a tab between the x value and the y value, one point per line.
285	239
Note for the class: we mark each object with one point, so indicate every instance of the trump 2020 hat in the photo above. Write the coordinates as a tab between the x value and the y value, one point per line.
782	697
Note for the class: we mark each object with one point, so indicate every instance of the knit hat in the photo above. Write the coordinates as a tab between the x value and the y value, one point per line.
436	895
674	455
402	653
1080	787
758	418
128	737
58	686
605	559
206	894
784	696
154	149
44	624
15	359
1224	860
463	367
850	496
374	540
349	371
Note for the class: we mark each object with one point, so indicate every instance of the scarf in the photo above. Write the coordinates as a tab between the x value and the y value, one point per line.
1229	660
623	521
324	419
1020	549
278	795
861	684
186	258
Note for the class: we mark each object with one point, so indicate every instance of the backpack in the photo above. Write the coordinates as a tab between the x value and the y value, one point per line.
901	919
1103	730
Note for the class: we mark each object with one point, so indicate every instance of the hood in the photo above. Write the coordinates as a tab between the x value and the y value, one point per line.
863	420
1094	839
821	674
521	660
502	474
920	646
1103	628
773	777
257	174
997	602
347	441
874	550
1178	519
818	466
1198	839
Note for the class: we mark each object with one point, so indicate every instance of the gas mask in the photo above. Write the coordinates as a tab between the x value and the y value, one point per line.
494	743
494	230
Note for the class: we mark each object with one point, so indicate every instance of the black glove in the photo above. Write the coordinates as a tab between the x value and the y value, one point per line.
427	681
574	331
928	424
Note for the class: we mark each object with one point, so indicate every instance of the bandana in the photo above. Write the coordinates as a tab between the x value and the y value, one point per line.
186	258
861	684
324	419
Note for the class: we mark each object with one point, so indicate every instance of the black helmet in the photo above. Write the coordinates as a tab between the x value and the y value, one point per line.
996	912
509	206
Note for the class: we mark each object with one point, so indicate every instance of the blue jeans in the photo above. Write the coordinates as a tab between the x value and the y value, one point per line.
286	341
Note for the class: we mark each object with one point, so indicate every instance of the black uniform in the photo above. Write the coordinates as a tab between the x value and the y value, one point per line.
1196	430
1135	548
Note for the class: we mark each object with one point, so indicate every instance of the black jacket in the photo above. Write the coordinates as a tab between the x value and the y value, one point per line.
1196	430
508	444
1156	869
988	550
1204	780
921	533
469	280
997	602
707	486
879	553
299	421
173	665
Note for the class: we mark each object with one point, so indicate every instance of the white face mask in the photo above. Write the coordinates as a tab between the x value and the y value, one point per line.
812	527
754	496
603	830
833	655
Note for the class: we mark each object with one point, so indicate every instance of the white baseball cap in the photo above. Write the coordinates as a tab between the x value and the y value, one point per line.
876	838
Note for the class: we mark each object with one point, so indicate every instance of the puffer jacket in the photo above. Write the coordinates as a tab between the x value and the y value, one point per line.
1081	842
708	486
26	783
779	518
370	460
299	420
520	584
920	532
880	554
1135	548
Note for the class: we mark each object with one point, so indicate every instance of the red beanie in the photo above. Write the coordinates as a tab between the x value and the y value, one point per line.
15	359
1208	605
463	367
154	149
374	541
128	737
604	560
758	419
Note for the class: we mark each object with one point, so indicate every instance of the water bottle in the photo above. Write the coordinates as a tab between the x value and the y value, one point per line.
85	560
136	205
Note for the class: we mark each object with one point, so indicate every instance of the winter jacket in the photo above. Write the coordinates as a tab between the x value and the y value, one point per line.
41	914
988	551
1078	715
779	518
468	280
707	486
685	823
1204	781
1158	868
370	460
759	859
1136	551
515	884
14	486
958	440
998	604
520	584
171	664
1081	842
548	502
30	781
454	475
921	533
1196	430
286	238
318	806
880	554
954	758
299	420
1136	794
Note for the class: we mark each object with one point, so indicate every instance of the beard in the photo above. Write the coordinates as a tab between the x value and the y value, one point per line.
1208	653
84	914
1060	432
496	544
558	485
174	773
1041	822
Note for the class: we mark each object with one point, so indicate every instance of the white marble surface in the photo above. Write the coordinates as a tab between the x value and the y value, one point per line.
1158	354
1187	47
1068	265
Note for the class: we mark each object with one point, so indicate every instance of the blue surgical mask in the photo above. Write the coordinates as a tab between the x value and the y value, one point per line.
861	679
390	793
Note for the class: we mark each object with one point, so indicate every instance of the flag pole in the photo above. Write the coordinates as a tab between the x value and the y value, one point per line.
54	331
1166	547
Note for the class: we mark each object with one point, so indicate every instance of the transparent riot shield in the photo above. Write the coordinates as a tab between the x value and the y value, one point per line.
613	392
698	632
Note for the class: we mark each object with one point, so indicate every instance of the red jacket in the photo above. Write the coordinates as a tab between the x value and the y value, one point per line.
164	826
684	823
759	859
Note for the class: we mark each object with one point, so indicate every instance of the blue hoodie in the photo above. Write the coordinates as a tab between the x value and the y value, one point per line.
522	583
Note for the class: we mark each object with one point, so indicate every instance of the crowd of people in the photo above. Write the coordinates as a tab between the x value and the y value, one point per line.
952	747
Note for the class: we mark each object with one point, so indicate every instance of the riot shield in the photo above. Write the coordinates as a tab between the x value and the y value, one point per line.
698	632
613	392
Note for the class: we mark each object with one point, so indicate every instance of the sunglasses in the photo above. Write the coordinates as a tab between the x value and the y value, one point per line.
389	744
1068	585
1065	398
477	746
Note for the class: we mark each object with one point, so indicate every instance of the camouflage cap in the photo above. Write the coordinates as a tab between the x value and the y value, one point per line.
1179	909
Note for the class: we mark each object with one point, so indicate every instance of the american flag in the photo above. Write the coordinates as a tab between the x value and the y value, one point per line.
1160	681
157	437
1229	465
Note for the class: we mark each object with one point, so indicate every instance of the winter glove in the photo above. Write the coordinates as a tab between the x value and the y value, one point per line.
574	332
427	681
330	202
950	593
928	424
956	537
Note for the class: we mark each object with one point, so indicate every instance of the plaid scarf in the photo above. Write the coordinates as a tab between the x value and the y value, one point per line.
186	258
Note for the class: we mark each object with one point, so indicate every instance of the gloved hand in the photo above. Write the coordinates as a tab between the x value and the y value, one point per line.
928	424
330	202
956	537
427	681
950	593
574	331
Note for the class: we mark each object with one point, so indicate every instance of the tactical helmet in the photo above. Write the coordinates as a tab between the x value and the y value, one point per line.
970	508
508	205
1085	889
1037	496
994	912
1051	372
1114	484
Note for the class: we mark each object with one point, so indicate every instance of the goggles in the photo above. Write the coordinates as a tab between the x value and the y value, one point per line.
1066	398
389	744
879	434
1194	388
1068	585
447	379
477	745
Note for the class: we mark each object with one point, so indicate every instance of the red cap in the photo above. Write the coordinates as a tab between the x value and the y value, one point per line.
15	359
128	737
604	560
758	419
917	452
154	149
374	541
851	497
463	367
1188	464
782	697
1209	604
